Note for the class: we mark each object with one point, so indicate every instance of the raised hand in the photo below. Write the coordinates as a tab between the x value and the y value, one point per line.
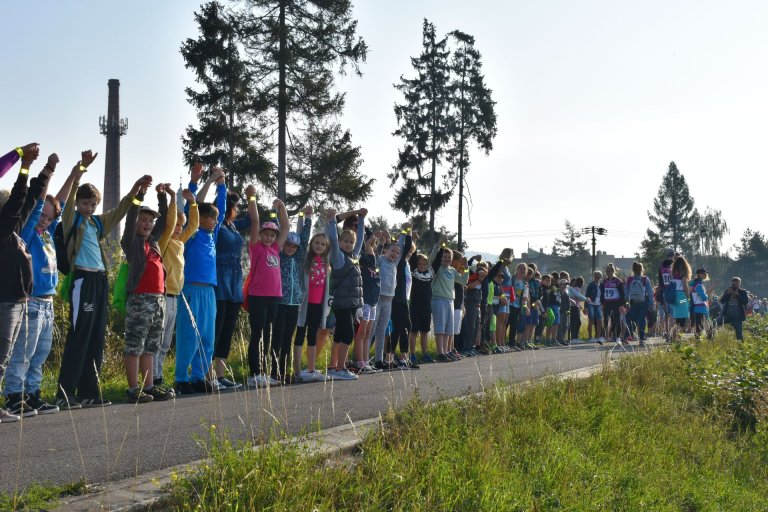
188	196
217	173
53	159
142	184
160	188
31	152
250	191
363	212
196	172
87	157
30	147
277	204
307	210
330	214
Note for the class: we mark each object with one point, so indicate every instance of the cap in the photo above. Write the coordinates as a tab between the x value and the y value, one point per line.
269	225
147	209
701	270
563	281
293	238
669	252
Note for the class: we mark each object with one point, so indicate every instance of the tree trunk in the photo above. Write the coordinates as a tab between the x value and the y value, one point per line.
282	104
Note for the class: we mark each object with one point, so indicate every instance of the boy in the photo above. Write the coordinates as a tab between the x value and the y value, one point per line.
442	297
174	236
84	233
196	316
145	305
594	309
421	305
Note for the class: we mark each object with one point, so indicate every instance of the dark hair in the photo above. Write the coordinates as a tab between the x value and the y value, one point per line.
88	191
55	204
349	221
207	210
578	281
232	199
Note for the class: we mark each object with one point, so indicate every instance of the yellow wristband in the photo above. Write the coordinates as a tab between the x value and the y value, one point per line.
251	198
24	171
20	152
83	168
136	201
193	204
301	214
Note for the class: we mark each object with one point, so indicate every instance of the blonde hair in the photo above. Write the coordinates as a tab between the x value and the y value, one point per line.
309	259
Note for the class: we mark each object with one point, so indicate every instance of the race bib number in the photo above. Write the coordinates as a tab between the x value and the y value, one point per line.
665	278
611	294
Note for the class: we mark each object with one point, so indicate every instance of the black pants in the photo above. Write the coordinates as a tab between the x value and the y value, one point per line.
401	327
611	313
486	311
261	315
512	321
310	327
575	322
285	324
226	320
84	348
345	326
470	325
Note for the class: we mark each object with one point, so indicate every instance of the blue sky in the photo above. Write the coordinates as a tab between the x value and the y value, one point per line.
595	98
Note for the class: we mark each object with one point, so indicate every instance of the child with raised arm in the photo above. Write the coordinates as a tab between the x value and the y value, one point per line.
25	369
442	296
84	234
346	288
264	291
369	270
401	317
176	231
421	305
387	264
15	207
196	313
145	305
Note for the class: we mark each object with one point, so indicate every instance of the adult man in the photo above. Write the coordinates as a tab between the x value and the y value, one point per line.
734	300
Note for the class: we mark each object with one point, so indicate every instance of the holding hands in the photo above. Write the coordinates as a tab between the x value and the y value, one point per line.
188	196
196	172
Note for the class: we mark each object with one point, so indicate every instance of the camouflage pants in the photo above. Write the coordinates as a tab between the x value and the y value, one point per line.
143	323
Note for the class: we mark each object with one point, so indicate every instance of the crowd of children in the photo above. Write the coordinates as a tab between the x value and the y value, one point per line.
371	289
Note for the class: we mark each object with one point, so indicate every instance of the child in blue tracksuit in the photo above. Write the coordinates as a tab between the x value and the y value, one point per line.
196	317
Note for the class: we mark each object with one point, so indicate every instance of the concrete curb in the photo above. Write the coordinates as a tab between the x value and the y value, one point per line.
147	492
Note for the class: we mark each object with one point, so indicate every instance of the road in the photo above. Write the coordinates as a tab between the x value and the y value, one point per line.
124	440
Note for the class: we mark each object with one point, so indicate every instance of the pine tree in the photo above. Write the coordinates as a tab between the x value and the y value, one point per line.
294	46
472	113
226	106
674	214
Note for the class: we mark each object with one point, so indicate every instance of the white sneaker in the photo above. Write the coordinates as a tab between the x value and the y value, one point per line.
302	376
316	376
7	417
217	386
272	382
591	340
368	369
601	339
342	375
258	381
617	340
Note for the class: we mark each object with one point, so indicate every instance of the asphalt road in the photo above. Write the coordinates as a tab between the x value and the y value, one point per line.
121	441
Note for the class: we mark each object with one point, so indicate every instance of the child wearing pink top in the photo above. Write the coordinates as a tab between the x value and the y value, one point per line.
264	290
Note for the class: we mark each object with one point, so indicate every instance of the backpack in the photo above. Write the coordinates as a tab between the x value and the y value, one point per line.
670	293
637	289
61	242
120	288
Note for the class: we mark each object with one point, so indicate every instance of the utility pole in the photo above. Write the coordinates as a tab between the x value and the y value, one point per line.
594	231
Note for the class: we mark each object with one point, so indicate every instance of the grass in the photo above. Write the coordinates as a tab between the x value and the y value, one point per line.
40	497
644	436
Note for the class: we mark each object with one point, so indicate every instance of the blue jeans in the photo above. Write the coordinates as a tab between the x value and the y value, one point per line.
11	315
25	369
636	317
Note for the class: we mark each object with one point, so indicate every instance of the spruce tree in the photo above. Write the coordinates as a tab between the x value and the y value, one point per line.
674	214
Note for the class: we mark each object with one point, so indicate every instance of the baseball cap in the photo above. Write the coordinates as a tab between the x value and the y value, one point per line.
701	270
669	252
147	209
293	238
269	225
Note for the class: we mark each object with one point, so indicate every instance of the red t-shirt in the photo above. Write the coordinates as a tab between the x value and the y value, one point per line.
153	278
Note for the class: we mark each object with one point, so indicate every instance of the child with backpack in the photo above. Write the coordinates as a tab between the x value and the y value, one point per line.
25	368
145	305
700	301
640	297
83	234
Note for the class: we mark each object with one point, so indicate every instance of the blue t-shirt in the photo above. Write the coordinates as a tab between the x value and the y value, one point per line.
89	255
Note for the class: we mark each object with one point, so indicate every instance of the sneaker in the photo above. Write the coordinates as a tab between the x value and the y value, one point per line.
401	364
184	388
202	386
443	358
260	381
426	359
229	385
414	366
41	406
601	340
617	339
159	393
68	405
317	376
641	343
7	417
531	346
138	396
217	386
342	375
16	405
381	366
91	403
368	370
413	359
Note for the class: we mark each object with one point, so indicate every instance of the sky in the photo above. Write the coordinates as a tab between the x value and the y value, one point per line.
594	99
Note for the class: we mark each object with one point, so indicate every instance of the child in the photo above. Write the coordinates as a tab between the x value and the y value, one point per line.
25	368
532	311
196	314
576	304
84	232
401	316
459	264
421	305
595	309
315	305
387	264
15	260
145	305
174	235
681	275
613	299
472	300
442	297
550	301
369	270
264	290
500	300
518	305
700	301
291	274
640	297
347	289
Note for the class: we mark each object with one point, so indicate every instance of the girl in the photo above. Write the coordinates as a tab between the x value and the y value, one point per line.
595	309
229	287
459	263
347	289
421	305
532	311
550	300
401	316
516	317
575	320
681	275
292	276
442	297
700	301
472	301
612	297
640	296
264	290
500	306
315	306
387	264
371	290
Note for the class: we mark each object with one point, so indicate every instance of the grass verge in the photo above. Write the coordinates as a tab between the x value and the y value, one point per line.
40	497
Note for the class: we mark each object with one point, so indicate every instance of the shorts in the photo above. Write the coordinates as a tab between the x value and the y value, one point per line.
369	312
594	312
457	317
533	318
144	314
442	316
556	311
421	320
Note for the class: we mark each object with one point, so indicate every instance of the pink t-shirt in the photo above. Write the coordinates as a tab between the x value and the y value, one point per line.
265	266
317	277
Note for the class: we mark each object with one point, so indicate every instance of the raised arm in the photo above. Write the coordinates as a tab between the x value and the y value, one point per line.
331	231
193	218
169	216
217	174
221	200
13	156
253	212
361	213
285	223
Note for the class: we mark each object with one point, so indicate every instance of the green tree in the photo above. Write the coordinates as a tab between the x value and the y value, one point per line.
226	106
423	124
295	48
572	251
674	214
750	263
472	113
651	251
